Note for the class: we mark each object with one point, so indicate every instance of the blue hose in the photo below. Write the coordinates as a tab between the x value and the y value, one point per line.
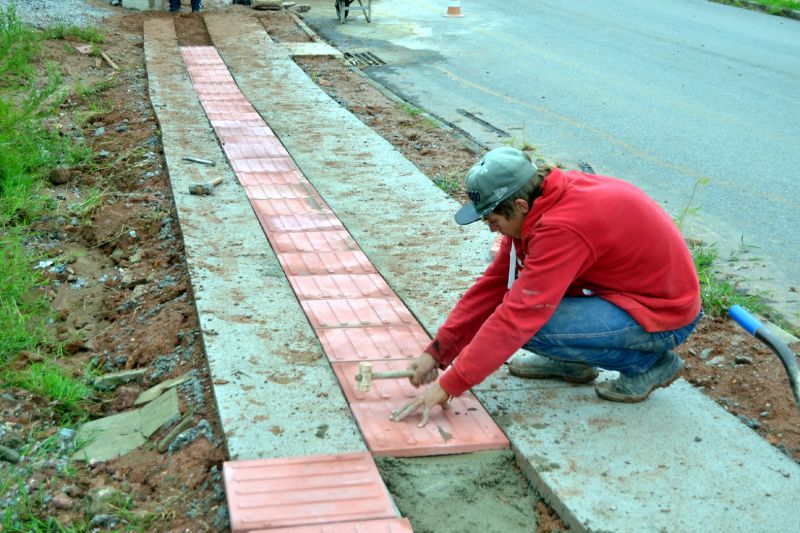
755	328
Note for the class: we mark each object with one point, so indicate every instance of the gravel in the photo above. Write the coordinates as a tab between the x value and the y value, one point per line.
44	13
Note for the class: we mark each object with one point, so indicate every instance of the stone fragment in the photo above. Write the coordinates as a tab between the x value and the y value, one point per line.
62	502
59	175
8	455
119	434
111	381
100	500
154	392
743	360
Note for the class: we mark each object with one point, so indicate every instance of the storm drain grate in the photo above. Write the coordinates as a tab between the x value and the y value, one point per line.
363	59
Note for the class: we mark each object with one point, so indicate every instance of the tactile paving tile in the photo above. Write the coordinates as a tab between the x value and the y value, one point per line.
313	241
464	427
298	491
310	263
364	344
381	390
394	525
340	286
357	312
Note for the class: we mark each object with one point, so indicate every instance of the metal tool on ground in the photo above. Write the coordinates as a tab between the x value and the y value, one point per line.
204	188
755	328
201	161
366	375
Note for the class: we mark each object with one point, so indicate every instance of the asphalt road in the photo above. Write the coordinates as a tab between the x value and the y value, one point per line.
696	102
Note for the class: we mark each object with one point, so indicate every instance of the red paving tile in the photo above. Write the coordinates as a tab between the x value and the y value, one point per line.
464	427
340	286
271	164
312	263
313	241
280	192
381	390
291	206
298	491
272	177
357	312
299	222
395	525
365	344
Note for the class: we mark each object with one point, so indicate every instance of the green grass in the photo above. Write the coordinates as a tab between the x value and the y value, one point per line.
771	6
22	313
73	33
53	383
720	294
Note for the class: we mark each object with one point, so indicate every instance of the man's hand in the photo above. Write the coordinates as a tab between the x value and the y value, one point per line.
436	395
425	371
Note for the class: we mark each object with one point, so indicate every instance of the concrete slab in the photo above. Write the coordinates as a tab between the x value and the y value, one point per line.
116	435
274	388
677	462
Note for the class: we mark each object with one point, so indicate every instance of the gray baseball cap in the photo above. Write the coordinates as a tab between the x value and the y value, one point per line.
499	174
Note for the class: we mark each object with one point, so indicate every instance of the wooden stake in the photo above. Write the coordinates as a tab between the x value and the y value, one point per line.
109	61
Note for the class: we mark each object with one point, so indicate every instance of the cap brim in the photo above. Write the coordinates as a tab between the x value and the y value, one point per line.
467	214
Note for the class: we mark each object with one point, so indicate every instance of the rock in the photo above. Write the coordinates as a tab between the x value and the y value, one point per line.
111	381
103	154
99	131
705	353
117	255
121	128
716	361
126	396
301	8
274	5
8	455
743	360
104	520
66	434
62	502
59	175
73	491
749	422
101	500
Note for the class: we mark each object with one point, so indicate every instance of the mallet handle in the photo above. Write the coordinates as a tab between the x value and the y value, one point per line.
391	374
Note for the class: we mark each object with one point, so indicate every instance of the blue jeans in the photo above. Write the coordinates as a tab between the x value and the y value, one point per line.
175	5
598	333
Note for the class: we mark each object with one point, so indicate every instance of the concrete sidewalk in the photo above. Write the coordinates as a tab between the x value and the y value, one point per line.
678	462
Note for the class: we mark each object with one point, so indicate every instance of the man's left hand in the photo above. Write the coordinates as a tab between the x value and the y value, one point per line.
435	395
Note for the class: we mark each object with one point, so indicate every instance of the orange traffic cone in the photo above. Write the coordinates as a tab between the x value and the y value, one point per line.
454	9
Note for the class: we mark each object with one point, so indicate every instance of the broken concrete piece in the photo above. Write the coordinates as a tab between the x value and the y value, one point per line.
266	4
119	434
154	392
301	8
111	381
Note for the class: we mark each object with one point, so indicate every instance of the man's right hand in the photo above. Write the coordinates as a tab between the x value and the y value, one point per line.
425	370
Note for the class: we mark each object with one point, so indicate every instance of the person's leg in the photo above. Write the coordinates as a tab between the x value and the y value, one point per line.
195	6
174	6
584	333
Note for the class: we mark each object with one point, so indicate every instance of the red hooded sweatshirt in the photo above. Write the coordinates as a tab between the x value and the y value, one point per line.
585	234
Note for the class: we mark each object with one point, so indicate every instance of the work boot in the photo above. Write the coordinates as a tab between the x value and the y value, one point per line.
534	366
632	389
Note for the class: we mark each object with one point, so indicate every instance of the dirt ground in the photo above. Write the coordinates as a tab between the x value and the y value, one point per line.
121	292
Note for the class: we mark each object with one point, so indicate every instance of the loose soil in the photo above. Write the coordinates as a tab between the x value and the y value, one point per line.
121	292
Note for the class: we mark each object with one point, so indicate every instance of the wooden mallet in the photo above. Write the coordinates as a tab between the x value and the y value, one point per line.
366	375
